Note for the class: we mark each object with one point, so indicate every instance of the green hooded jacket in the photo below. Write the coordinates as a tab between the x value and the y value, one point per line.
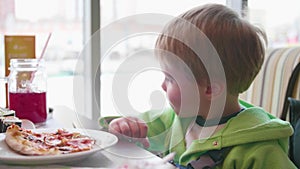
257	140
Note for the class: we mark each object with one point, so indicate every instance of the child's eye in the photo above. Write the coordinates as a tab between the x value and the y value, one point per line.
169	79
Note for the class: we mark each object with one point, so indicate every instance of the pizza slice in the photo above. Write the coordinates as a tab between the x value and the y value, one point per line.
28	142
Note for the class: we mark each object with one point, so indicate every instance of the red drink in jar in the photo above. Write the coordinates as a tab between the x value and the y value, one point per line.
27	86
31	106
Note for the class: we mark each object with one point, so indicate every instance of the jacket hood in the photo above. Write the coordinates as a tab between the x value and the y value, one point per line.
252	125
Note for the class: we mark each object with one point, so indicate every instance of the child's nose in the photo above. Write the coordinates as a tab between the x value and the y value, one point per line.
163	86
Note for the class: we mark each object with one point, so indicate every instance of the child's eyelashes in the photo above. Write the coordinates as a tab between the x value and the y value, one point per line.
169	79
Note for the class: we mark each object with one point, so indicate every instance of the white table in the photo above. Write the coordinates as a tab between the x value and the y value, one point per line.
119	155
114	157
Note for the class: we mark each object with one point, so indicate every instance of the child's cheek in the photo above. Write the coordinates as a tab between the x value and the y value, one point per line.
175	99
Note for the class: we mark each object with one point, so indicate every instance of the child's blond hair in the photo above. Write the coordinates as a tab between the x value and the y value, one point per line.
240	45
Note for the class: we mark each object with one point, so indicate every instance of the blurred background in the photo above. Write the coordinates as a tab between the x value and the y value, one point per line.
70	21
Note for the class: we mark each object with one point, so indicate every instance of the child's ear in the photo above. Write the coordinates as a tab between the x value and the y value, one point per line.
214	90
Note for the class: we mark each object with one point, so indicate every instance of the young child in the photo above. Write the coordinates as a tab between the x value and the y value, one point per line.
208	126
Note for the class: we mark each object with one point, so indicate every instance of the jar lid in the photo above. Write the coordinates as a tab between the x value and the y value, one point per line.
26	63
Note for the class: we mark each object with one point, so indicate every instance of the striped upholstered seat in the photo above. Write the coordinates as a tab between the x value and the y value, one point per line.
269	88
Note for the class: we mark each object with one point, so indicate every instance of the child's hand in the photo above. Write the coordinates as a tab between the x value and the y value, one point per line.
131	128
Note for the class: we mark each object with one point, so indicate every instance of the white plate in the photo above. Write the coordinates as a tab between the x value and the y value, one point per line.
103	140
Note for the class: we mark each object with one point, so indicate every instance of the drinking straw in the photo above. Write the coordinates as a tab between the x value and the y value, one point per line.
44	49
42	54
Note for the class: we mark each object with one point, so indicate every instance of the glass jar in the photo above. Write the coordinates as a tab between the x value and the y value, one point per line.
27	87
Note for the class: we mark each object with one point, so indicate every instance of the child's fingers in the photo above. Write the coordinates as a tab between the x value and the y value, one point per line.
134	128
125	128
131	129
143	129
130	126
119	127
138	128
114	128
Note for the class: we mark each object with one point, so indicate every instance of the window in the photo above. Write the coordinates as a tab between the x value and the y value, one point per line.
143	89
64	19
280	20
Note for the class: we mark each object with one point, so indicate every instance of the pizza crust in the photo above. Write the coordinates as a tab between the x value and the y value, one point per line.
11	139
28	143
17	143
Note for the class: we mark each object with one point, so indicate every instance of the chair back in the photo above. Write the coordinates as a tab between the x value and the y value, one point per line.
294	118
293	90
270	85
